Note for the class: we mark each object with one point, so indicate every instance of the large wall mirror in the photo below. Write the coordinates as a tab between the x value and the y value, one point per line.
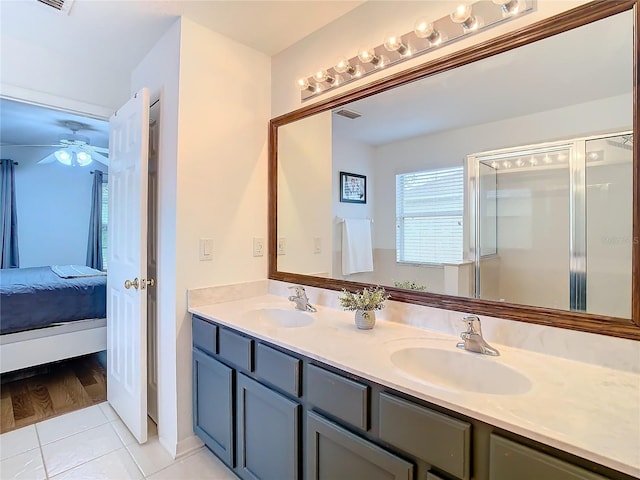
500	180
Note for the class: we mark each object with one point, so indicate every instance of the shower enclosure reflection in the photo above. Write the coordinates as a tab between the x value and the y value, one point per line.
560	214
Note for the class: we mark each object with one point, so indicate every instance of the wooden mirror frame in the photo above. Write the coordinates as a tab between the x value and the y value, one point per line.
563	22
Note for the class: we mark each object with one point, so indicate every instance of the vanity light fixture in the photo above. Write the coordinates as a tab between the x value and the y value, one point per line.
427	34
463	15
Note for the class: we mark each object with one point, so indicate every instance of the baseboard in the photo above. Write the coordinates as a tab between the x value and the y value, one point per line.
183	448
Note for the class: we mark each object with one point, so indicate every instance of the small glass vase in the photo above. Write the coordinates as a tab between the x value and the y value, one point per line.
365	319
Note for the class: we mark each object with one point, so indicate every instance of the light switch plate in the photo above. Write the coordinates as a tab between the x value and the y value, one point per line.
317	245
258	246
282	246
206	249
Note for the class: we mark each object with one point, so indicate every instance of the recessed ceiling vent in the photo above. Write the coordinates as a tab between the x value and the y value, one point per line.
63	6
350	114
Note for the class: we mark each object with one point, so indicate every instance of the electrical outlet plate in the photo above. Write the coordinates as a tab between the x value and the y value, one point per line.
258	246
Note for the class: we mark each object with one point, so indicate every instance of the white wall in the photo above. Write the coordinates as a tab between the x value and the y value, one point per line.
352	157
54	206
213	184
304	184
369	24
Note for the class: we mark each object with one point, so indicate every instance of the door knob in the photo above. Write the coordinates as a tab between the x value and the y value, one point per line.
135	284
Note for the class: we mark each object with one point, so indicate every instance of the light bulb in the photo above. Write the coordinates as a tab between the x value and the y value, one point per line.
425	29
83	158
368	55
509	7
358	71
63	157
394	43
343	66
323	76
303	83
462	15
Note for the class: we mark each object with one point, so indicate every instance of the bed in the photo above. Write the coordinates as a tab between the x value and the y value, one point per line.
49	314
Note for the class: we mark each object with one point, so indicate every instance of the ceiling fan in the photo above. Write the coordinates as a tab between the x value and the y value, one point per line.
74	149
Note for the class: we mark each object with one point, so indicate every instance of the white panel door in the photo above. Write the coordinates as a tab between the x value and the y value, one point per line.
126	277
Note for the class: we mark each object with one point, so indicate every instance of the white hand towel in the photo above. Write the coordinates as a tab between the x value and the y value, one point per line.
357	250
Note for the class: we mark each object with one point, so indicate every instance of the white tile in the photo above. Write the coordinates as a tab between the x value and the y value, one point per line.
123	432
18	441
27	466
108	411
79	448
115	465
201	465
150	457
70	424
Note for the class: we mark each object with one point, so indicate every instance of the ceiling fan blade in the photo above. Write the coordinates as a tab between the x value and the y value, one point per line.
11	145
48	159
98	157
99	149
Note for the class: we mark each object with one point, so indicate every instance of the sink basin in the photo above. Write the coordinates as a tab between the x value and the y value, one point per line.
460	370
281	317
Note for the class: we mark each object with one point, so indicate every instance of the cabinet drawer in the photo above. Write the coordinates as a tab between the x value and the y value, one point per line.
334	453
236	349
341	397
437	439
278	368
510	460
205	335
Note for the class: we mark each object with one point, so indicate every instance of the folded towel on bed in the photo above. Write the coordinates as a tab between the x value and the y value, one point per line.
76	271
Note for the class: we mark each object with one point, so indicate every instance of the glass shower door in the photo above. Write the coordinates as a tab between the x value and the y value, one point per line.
609	235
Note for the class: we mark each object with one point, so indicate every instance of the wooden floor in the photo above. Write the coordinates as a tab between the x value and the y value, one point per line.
65	387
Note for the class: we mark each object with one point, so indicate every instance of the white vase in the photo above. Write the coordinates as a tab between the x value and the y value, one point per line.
365	319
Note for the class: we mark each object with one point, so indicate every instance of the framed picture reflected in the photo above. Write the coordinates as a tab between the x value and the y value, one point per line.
353	188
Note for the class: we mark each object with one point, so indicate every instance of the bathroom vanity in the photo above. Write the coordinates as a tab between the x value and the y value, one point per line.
281	394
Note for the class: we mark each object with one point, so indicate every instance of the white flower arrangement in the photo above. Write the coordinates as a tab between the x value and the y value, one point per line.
367	300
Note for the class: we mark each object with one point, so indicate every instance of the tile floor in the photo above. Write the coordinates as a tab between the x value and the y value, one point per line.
93	443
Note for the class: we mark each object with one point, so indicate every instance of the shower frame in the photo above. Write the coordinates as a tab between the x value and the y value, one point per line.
577	207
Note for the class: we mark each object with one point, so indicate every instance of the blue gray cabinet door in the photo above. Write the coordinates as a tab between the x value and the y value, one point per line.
335	453
268	433
213	405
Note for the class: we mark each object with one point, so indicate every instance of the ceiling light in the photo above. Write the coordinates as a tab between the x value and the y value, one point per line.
394	43
463	16
63	156
425	29
83	159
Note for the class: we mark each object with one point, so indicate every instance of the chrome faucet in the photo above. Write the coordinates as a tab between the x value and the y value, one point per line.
301	300
472	338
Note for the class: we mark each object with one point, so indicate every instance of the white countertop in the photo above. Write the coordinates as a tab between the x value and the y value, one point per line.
590	411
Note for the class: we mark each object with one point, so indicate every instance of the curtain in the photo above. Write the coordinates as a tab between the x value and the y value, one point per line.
94	246
8	216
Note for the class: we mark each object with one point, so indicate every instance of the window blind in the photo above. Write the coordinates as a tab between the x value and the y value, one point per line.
429	216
